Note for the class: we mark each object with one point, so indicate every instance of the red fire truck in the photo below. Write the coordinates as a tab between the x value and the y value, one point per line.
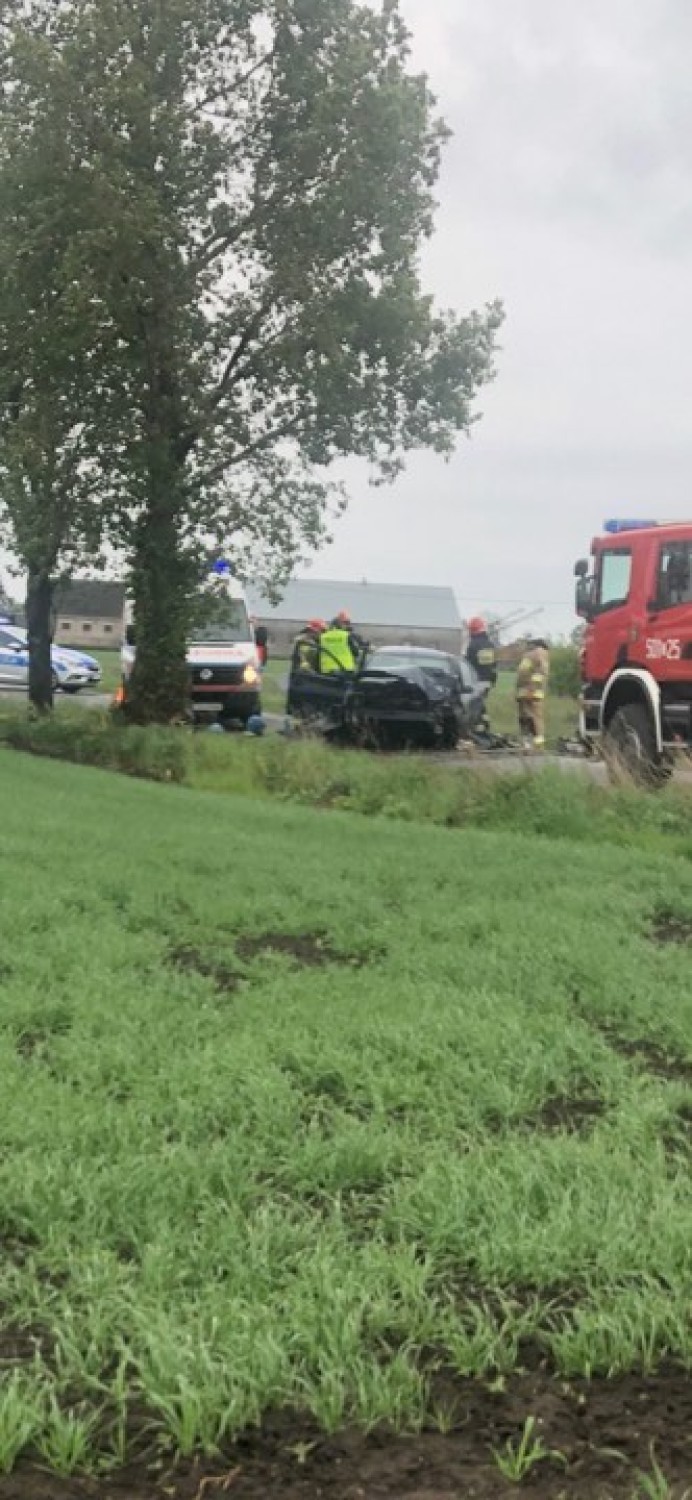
636	664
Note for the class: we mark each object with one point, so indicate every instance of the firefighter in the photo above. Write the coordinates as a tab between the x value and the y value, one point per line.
337	653
480	653
532	683
306	647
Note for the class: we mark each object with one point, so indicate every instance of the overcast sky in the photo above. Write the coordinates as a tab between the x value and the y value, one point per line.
567	191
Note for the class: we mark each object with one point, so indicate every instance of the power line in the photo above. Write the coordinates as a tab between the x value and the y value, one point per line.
522	603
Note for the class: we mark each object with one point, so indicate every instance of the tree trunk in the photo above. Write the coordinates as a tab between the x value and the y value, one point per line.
157	690
39	601
161	575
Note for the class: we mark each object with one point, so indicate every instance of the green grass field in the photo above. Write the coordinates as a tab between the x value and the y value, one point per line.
110	667
300	1108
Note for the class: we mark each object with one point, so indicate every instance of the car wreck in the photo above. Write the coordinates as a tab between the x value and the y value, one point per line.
399	696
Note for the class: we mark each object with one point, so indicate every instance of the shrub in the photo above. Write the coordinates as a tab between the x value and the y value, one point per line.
96	739
564	672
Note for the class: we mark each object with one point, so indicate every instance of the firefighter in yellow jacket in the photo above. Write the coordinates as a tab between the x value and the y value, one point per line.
532	685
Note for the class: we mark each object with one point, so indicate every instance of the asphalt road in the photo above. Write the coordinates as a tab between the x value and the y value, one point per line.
84	699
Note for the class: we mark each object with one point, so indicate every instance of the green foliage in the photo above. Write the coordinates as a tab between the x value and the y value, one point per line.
565	676
51	509
517	1460
99	740
66	1441
20	1416
655	1486
247	195
219	1198
549	802
406	788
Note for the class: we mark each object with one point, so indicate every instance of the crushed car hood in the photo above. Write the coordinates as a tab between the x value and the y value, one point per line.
434	685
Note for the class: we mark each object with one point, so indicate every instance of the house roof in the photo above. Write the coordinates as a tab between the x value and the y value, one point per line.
91	596
387	604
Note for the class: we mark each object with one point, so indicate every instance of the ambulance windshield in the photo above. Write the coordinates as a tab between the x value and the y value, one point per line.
218	618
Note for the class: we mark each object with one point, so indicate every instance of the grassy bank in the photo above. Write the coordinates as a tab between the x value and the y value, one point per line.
298	1108
406	788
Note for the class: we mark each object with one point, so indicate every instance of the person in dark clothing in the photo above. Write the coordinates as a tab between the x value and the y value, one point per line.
480	652
262	644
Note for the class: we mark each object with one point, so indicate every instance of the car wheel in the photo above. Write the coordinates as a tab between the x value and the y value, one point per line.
631	741
72	688
54	682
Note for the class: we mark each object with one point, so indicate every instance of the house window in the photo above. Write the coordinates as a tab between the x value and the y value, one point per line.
64	625
86	626
108	629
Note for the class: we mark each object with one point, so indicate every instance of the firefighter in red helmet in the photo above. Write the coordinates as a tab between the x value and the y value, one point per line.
306	647
480	652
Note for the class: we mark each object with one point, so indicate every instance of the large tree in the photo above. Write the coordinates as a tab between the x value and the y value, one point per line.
52	489
252	185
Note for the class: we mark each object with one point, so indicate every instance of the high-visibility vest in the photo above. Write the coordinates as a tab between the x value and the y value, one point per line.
335	651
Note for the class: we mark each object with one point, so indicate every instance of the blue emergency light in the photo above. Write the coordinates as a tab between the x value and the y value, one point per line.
613	528
222	568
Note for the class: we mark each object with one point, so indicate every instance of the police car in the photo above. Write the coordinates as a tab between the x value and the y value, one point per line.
68	675
87	664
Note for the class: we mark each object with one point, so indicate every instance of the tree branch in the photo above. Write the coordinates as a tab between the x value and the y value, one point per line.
223	93
285	429
189	439
244	341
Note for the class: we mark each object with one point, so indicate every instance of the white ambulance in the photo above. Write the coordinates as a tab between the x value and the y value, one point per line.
223	665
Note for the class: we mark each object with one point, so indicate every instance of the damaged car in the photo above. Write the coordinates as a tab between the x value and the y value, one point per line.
400	696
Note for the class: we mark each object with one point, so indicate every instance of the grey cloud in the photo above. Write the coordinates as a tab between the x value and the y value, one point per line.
570	111
566	190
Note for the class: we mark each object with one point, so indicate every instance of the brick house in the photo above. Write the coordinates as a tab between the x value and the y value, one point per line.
90	612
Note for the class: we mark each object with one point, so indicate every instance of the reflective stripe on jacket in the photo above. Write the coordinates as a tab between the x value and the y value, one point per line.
481	655
532	675
335	651
306	652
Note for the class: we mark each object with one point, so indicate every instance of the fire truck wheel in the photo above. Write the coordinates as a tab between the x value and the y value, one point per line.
632	741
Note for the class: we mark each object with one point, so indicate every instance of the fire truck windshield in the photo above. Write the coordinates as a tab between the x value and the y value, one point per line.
613	579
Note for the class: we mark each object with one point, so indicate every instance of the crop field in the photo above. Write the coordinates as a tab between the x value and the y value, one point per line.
339	1157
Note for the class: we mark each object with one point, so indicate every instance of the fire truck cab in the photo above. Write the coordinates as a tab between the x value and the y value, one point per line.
636	661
